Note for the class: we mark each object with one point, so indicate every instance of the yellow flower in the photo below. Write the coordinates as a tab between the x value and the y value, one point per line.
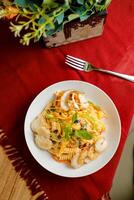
11	12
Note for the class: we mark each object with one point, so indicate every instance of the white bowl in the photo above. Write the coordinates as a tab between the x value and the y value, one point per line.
112	133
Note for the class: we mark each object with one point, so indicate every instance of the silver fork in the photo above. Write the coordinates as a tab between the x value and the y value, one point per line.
87	67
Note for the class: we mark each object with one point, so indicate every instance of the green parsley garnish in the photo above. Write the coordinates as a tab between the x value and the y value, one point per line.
83	134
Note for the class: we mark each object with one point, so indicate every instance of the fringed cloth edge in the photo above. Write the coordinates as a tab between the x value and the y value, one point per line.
25	173
22	168
106	197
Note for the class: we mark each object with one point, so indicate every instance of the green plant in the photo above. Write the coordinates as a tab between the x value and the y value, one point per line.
37	18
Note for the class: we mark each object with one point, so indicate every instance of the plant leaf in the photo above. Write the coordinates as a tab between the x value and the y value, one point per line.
68	132
46	17
50	3
21	3
72	16
41	20
80	2
74	118
84	17
60	18
31	4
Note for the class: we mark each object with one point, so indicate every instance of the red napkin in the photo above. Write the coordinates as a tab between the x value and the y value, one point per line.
25	71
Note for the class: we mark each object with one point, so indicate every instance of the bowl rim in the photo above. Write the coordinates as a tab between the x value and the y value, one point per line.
89	84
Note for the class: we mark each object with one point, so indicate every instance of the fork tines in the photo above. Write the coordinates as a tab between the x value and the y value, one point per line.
75	62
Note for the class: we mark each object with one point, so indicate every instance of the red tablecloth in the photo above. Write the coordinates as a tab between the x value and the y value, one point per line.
25	71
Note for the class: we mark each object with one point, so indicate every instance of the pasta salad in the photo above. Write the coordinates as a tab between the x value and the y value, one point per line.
70	127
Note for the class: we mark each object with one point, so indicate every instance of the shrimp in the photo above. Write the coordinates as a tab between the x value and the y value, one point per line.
38	126
74	161
101	145
42	142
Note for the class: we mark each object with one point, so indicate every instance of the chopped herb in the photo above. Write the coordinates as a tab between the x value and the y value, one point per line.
74	118
68	132
83	134
49	116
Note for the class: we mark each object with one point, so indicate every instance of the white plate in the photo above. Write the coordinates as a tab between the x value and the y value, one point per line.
113	130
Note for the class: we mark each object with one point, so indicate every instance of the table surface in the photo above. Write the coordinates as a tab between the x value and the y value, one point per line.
25	71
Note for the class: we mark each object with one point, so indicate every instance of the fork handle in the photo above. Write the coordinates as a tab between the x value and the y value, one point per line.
124	76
